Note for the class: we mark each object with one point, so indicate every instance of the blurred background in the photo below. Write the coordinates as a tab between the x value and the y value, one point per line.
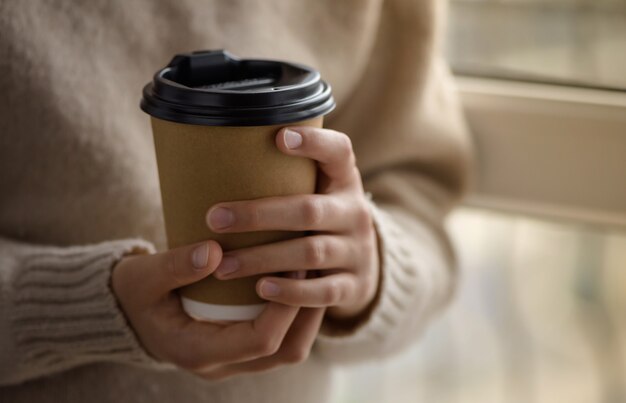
541	312
575	42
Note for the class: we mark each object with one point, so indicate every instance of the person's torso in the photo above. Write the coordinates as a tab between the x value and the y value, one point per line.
76	153
77	163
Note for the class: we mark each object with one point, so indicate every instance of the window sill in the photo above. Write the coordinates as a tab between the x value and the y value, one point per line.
548	150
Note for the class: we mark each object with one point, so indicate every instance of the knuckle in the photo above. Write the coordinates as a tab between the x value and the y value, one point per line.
267	345
362	215
352	162
187	359
332	294
296	355
314	252
345	150
345	144
183	352
312	212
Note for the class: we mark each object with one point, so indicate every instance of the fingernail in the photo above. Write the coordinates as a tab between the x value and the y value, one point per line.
200	256
221	218
228	265
292	139
269	289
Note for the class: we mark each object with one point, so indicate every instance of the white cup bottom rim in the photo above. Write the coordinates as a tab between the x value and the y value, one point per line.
213	312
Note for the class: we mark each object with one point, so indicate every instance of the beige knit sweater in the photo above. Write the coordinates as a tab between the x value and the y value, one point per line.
79	185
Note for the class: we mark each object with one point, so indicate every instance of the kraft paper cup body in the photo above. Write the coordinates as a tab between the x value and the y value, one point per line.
200	166
214	119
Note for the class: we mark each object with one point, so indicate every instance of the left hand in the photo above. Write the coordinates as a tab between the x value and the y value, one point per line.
342	249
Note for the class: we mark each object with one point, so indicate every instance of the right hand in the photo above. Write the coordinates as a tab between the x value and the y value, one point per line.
145	288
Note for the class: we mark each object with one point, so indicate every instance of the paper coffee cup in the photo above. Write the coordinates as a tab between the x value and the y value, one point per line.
214	121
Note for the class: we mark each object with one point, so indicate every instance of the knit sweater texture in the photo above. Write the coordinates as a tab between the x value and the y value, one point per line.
79	186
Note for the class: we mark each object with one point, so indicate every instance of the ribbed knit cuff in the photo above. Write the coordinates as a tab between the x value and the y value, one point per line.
62	312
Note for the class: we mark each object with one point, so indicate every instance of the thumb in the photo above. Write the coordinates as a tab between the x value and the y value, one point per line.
163	272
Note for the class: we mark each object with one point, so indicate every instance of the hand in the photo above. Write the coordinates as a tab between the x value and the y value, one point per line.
145	288
343	248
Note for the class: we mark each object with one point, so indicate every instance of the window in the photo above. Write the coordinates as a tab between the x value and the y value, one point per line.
543	83
575	42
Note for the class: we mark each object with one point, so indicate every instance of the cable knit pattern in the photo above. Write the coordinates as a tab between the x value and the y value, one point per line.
61	311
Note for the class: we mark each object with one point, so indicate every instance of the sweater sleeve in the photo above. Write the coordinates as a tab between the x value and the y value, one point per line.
417	279
57	310
413	151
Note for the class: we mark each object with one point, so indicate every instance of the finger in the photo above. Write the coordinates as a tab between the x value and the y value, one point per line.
209	344
336	289
160	273
305	253
331	149
289	213
295	348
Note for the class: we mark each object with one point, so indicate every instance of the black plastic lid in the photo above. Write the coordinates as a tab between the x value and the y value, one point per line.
215	88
